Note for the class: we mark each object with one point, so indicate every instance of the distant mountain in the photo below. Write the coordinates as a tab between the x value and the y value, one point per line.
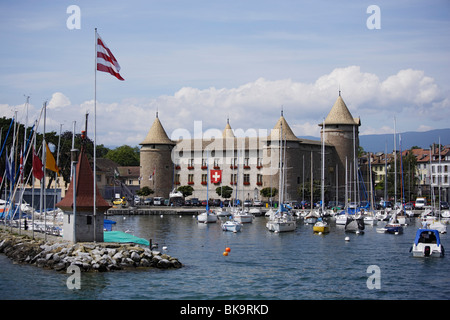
380	142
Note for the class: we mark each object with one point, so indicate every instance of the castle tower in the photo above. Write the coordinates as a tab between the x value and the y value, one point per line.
282	138
342	132
156	160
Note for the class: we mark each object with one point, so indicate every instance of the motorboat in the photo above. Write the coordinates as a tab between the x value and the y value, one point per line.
427	243
321	226
231	225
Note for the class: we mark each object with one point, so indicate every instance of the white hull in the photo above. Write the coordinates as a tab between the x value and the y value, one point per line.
232	226
281	225
341	220
206	217
433	250
371	221
243	218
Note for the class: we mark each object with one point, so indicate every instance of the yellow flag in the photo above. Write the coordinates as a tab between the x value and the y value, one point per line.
50	163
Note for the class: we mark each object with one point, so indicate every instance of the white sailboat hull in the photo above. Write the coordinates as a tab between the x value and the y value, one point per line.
206	217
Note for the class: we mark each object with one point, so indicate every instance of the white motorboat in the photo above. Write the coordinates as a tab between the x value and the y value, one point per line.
231	225
427	243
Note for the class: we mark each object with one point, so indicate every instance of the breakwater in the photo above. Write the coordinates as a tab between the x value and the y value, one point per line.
59	255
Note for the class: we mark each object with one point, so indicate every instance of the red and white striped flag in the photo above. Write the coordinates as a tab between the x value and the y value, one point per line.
106	61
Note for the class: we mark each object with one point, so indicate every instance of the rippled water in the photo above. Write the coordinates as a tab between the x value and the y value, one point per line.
261	265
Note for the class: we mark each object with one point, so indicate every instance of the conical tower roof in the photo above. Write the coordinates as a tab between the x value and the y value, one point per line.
157	134
339	114
287	133
84	189
228	132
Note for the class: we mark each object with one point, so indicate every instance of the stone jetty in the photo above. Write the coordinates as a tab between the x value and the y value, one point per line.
100	257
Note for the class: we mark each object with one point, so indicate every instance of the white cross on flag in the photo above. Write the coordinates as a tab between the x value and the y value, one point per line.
216	176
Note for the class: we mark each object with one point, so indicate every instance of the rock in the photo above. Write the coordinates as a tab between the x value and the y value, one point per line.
135	256
87	256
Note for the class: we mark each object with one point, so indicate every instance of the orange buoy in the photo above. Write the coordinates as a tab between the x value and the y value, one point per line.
225	253
227	249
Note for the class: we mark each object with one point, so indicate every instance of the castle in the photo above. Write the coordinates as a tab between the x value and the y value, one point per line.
251	163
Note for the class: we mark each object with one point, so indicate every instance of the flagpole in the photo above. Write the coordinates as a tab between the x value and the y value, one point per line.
95	134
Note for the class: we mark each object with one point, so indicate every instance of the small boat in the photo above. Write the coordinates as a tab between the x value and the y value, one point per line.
427	244
231	225
341	219
221	212
321	226
355	224
243	216
439	226
207	217
311	217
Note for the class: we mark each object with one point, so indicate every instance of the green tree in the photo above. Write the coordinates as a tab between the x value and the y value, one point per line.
224	191
186	190
268	192
124	155
144	191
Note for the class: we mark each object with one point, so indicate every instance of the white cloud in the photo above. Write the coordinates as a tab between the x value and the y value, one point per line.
413	98
58	100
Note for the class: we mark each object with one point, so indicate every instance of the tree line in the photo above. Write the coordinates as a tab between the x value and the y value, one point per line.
124	155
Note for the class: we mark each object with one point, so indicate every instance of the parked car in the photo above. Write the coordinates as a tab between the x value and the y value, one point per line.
158	201
421	203
257	203
247	203
444	205
118	201
409	206
148	201
195	202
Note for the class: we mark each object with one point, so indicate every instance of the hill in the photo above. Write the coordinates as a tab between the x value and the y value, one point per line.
378	142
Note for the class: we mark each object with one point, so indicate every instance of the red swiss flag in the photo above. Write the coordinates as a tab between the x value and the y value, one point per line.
216	176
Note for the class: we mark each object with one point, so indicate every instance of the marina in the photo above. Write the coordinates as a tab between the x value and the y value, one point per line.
261	265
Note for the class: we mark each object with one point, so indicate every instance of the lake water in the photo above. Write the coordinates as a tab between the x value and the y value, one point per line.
262	265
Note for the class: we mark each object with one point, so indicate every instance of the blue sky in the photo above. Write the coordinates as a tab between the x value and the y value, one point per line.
209	60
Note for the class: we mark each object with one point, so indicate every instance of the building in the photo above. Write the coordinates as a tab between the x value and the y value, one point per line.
250	163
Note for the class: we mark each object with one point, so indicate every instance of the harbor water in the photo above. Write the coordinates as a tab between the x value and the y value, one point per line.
261	265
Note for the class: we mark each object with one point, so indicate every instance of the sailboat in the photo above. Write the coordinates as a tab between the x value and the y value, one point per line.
208	216
369	217
282	220
321	226
241	215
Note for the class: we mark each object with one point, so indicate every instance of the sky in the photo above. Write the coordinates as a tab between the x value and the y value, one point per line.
199	63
